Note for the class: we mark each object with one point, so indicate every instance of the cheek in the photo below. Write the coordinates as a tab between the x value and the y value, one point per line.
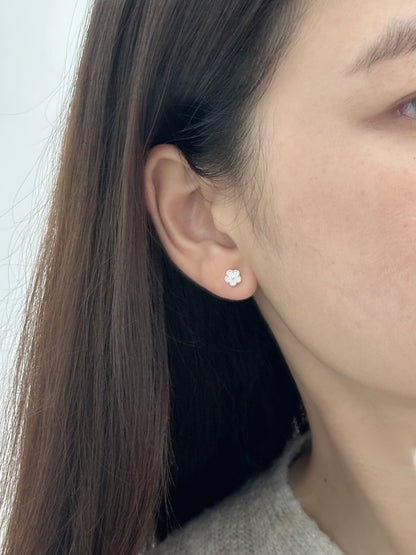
356	222
347	250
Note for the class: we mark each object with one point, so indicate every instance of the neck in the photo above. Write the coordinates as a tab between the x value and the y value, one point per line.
359	481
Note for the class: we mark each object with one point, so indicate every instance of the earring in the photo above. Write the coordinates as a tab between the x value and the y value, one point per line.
233	277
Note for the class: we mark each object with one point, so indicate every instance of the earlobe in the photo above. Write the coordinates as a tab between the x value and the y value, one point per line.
184	221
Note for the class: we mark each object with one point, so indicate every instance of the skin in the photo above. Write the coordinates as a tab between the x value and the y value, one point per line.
336	276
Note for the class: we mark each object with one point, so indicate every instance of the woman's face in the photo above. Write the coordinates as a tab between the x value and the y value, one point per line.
337	280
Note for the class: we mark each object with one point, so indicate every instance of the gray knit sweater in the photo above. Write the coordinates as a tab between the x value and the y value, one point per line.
262	518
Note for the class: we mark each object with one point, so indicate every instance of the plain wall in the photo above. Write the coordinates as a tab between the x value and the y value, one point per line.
39	49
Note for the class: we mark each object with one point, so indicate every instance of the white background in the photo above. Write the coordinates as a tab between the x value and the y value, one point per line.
39	49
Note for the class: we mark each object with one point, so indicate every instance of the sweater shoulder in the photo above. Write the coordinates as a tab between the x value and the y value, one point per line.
227	527
262	517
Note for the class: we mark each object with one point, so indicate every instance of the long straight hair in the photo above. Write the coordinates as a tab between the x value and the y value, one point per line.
139	397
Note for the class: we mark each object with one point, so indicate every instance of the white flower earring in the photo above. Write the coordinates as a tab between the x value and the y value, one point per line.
233	277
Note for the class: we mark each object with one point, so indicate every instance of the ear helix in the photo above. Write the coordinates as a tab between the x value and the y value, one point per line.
233	277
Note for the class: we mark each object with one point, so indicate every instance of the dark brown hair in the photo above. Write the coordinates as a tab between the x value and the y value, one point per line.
139	397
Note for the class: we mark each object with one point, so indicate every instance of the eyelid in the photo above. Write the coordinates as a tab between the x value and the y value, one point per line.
402	102
395	113
392	112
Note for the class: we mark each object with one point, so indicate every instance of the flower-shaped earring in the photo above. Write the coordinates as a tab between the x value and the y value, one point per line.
233	277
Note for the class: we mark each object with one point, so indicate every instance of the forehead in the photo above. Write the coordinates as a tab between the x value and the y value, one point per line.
335	34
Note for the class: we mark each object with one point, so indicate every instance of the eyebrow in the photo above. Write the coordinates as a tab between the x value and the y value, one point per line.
399	39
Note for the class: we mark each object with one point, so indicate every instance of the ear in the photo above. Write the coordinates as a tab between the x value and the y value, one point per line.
184	220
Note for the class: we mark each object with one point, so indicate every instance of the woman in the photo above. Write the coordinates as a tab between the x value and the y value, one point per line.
235	175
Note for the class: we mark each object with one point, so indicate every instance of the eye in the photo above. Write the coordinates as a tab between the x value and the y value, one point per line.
408	110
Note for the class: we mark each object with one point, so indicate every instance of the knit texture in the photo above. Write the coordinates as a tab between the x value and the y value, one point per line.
263	517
